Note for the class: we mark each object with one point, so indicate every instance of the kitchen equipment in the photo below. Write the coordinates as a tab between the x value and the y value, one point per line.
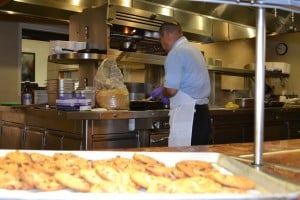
244	102
60	46
128	45
40	96
98	51
59	89
115	27
145	105
272	103
87	93
136	90
113	99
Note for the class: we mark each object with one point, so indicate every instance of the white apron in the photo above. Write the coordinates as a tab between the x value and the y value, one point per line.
182	108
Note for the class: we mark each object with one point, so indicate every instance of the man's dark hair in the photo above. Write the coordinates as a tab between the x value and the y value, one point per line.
170	27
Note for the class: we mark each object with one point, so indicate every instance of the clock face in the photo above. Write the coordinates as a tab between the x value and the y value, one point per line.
281	49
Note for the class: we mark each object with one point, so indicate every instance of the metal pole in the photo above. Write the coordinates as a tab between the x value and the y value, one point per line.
260	85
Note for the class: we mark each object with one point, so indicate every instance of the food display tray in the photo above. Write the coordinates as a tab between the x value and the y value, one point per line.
267	186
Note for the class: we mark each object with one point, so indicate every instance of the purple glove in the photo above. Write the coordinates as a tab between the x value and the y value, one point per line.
165	100
156	92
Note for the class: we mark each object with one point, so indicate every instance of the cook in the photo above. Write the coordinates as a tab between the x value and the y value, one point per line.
187	85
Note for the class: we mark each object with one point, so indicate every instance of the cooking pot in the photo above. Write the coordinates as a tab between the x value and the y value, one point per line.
128	45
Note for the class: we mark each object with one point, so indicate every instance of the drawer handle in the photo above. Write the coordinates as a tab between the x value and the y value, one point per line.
152	141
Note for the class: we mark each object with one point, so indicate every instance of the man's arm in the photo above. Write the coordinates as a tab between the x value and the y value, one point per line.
169	92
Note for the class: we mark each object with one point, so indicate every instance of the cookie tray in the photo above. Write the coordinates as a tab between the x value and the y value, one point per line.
267	187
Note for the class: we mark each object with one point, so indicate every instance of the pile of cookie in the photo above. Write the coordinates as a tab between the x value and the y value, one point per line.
141	173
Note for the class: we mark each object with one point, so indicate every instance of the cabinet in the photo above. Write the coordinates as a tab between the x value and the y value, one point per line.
72	143
53	140
231	126
32	138
20	136
294	129
11	135
294	124
276	125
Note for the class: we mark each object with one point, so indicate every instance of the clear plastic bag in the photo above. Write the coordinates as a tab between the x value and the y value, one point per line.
109	76
111	91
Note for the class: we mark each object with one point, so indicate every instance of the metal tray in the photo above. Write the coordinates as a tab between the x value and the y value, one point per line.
267	187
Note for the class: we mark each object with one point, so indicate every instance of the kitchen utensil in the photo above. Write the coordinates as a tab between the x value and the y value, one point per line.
128	45
244	102
149	98
98	51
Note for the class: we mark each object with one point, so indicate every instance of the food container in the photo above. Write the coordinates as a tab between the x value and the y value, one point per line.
88	93
61	46
245	102
113	99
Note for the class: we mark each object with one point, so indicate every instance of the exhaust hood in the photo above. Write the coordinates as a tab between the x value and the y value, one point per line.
220	21
63	9
109	27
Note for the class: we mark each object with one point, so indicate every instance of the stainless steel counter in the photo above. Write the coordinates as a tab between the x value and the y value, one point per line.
127	114
116	114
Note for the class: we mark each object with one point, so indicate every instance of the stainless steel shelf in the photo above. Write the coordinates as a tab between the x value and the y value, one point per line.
75	58
244	72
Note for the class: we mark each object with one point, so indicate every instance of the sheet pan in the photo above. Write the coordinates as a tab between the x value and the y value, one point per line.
267	187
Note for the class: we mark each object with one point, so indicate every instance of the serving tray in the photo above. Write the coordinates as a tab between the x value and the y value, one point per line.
267	187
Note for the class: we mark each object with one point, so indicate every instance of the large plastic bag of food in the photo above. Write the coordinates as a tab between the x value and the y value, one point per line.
111	92
109	76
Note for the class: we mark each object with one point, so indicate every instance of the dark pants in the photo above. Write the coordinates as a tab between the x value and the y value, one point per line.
201	126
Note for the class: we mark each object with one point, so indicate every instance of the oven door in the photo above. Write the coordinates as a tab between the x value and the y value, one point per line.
159	138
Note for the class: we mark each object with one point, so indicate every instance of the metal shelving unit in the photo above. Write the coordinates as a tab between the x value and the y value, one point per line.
244	72
75	58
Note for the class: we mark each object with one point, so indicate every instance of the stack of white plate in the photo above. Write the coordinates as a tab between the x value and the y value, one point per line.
52	85
59	89
65	88
40	96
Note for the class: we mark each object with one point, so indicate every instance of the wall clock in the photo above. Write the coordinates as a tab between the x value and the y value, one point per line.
281	48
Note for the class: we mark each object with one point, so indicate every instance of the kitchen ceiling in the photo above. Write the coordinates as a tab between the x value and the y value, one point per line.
59	11
278	21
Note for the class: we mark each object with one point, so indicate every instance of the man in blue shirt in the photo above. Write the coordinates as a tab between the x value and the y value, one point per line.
187	84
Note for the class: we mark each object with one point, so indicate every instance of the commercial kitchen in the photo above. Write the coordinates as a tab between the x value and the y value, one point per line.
251	50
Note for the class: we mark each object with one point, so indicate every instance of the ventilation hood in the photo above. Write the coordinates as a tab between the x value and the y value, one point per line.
216	16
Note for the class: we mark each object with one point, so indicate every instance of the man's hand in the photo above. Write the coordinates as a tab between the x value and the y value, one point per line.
165	100
157	92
